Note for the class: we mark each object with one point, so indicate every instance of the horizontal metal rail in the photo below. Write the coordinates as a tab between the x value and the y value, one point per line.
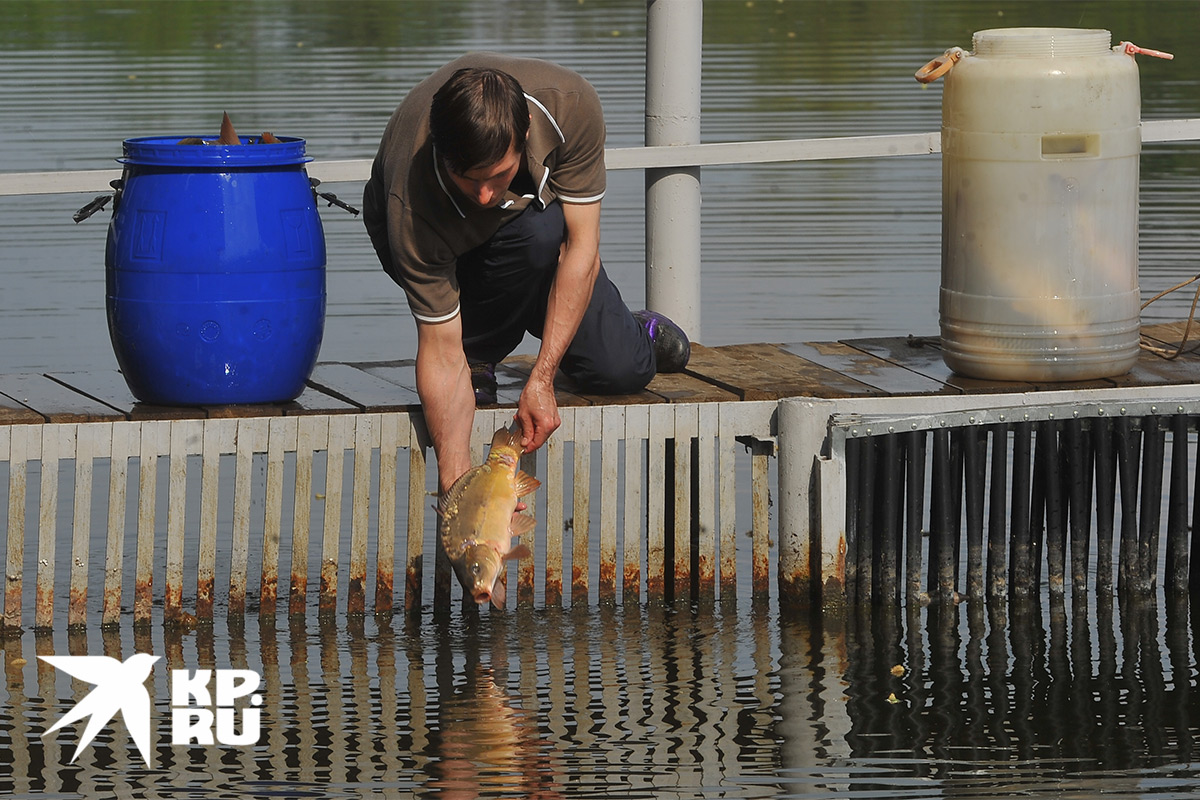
207	498
694	155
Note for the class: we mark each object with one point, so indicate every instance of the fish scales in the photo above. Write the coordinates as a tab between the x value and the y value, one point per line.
478	518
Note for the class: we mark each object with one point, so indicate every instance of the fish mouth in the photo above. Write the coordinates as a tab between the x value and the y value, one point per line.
482	596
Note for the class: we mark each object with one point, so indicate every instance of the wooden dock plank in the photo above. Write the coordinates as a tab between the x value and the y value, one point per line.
510	382
677	387
14	413
923	355
767	372
872	370
513	373
644	397
510	378
108	386
359	387
314	401
401	373
54	401
1153	370
1170	335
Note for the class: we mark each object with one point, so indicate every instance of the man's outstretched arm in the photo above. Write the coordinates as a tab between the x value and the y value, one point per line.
447	399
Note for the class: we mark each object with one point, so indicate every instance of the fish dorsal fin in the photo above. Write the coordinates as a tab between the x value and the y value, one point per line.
525	484
518	552
521	523
228	134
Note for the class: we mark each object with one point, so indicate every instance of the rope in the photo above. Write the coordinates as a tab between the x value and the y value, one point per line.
1167	352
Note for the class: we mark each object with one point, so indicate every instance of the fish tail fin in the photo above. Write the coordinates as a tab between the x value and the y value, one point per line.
509	437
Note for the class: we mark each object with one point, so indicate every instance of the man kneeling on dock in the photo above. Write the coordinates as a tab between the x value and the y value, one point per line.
484	206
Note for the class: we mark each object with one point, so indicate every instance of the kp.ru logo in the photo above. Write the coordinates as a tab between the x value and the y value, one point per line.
120	687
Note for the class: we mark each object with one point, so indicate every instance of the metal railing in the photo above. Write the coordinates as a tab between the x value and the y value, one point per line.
658	157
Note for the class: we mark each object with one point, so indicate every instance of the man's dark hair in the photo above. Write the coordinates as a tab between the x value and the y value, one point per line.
477	117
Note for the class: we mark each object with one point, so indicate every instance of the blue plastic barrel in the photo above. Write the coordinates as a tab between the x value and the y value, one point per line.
215	267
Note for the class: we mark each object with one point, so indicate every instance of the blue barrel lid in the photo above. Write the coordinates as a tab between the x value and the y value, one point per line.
166	151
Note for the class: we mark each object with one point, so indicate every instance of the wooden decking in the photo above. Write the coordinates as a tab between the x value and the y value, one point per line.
892	366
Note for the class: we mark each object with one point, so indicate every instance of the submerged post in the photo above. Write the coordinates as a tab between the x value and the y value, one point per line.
812	569
673	46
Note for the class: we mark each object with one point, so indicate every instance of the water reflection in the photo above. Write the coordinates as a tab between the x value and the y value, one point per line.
484	741
1022	700
648	702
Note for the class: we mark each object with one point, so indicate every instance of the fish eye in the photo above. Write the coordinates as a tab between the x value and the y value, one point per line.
475	568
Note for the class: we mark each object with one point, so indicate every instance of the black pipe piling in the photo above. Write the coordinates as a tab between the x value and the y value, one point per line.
1078	476
997	578
854	448
1048	460
1020	575
956	498
941	548
1037	513
1106	489
866	522
974	443
1087	501
1153	447
1128	449
1194	565
1065	473
1175	577
889	517
914	512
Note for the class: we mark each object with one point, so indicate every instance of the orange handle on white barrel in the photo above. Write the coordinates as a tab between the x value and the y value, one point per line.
1131	49
939	66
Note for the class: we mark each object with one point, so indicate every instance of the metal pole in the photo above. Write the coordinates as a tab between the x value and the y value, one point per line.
804	565
914	513
1176	575
975	479
997	566
1020	583
673	47
889	516
1106	492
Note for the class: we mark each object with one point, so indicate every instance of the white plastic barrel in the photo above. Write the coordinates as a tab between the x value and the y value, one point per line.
1040	147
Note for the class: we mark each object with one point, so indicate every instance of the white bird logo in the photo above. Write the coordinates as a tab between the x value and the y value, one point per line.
119	687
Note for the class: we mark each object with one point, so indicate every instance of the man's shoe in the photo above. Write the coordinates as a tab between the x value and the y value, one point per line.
671	347
483	381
